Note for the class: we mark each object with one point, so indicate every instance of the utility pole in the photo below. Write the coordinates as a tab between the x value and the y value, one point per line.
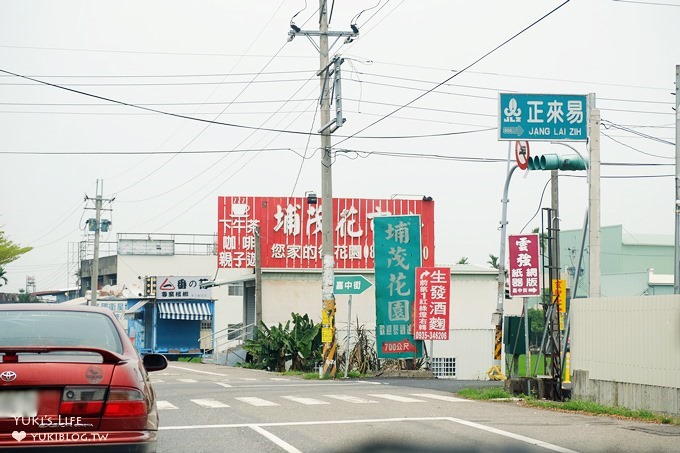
328	261
676	281
97	225
327	128
594	197
258	278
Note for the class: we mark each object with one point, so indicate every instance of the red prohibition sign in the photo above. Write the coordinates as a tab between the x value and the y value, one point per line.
522	154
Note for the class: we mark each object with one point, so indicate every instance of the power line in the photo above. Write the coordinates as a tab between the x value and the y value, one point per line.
461	71
647	3
609	124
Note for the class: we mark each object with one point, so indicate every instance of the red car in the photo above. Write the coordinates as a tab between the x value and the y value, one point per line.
71	380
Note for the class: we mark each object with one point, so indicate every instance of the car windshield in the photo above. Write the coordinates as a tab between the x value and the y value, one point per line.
58	328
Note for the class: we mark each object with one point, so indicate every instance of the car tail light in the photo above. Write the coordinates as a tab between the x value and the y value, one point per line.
125	403
82	401
10	358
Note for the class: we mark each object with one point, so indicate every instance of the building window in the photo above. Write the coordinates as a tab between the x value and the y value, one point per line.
206	324
235	289
444	367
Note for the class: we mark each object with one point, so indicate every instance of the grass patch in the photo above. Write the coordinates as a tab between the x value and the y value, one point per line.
522	368
489	393
585	407
189	359
589	407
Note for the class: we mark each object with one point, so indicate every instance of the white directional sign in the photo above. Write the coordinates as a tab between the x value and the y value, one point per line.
350	284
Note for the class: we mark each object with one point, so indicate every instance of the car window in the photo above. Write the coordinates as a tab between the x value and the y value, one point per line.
58	328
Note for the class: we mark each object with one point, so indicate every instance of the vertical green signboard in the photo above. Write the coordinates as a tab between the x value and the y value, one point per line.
397	255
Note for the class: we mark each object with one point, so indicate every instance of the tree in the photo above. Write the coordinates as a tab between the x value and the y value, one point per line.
493	261
9	251
273	346
25	297
536	326
463	260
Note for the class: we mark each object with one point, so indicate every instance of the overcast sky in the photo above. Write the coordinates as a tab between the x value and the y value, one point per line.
119	89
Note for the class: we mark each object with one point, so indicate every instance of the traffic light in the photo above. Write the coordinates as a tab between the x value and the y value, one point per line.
150	286
555	162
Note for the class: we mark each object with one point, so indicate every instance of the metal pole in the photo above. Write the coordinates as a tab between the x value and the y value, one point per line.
95	258
567	323
498	316
594	197
527	353
349	333
676	281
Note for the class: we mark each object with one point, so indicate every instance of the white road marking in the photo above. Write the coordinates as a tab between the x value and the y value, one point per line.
279	379
162	405
304	400
351	399
209	403
196	371
398	398
223	384
187	381
255	401
451	399
257	426
277	440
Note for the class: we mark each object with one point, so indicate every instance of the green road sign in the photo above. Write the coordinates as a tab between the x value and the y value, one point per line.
350	284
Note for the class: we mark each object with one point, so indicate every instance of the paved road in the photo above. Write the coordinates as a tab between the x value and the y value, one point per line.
209	408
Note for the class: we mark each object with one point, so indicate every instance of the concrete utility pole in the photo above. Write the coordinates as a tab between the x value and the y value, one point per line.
676	281
258	277
97	225
327	276
594	197
327	128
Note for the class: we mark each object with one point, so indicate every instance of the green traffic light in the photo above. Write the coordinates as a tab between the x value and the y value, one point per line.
555	162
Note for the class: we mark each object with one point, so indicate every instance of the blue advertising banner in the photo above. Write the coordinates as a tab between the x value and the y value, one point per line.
397	242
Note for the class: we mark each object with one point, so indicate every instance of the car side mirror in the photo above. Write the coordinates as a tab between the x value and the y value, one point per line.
154	362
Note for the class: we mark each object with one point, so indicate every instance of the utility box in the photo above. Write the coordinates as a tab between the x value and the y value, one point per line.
514	335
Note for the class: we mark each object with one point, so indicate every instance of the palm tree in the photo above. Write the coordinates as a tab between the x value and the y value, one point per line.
3	279
493	261
463	260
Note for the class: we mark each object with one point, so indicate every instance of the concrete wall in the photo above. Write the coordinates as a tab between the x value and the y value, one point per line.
625	351
473	301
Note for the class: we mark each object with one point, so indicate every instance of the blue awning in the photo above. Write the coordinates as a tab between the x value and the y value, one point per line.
189	311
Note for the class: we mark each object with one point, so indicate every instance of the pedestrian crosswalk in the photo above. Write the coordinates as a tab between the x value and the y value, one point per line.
256	401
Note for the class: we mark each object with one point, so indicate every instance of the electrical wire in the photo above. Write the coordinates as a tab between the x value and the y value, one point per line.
635	149
461	71
607	124
302	161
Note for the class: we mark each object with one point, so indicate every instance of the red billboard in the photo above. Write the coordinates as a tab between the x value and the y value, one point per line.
290	230
524	265
432	304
